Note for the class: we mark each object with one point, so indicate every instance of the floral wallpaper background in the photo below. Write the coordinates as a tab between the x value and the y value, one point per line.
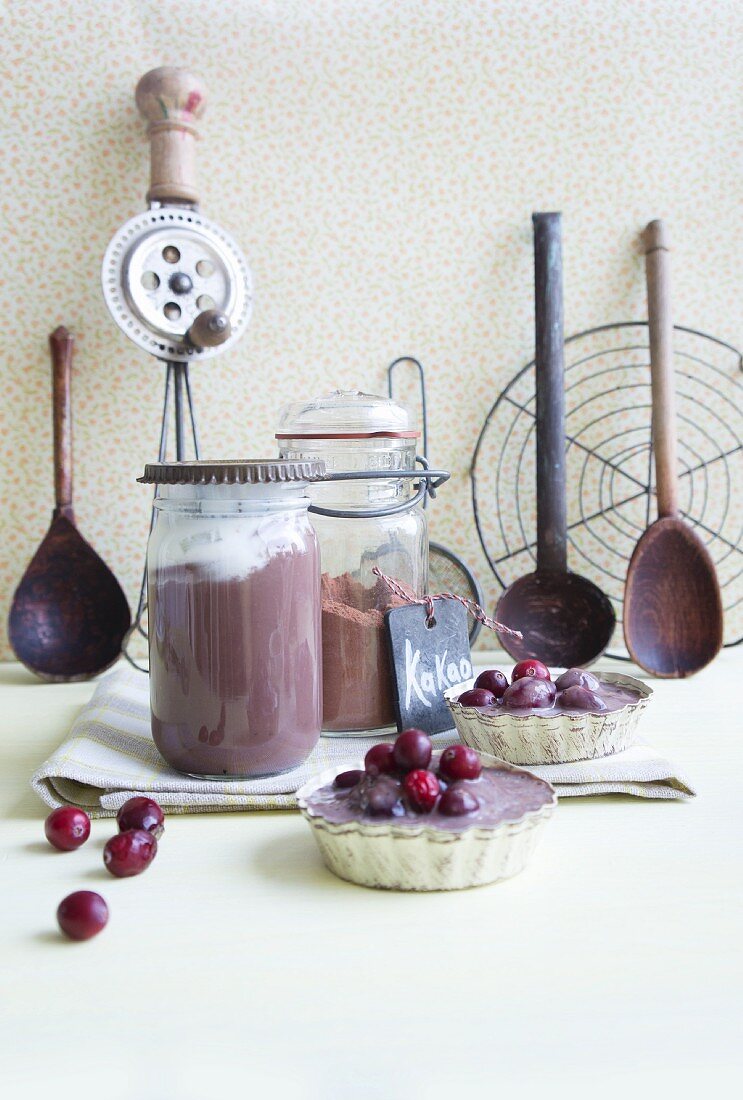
378	161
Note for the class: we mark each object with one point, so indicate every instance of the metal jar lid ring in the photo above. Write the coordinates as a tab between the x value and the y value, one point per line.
233	472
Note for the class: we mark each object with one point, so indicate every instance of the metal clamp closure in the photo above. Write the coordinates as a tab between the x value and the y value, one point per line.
428	482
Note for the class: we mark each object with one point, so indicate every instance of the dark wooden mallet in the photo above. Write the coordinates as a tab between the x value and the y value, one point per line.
564	618
69	615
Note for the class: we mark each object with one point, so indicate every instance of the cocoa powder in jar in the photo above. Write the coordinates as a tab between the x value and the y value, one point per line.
357	676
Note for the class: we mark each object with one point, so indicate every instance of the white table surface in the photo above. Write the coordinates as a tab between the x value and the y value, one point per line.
237	965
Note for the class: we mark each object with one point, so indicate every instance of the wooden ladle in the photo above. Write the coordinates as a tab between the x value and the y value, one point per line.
69	615
564	618
673	619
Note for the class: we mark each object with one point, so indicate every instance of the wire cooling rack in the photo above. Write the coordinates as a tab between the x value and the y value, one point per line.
609	461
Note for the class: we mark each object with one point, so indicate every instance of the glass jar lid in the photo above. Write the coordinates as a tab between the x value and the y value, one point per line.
345	414
232	472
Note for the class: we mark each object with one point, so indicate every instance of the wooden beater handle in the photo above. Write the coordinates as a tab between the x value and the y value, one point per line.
210	329
656	241
61	343
171	99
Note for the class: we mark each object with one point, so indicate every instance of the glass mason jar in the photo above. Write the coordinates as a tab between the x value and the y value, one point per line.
233	581
381	524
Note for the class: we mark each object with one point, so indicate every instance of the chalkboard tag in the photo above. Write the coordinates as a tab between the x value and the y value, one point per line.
426	660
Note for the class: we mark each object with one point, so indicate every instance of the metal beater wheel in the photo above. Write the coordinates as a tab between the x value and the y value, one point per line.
611	495
166	266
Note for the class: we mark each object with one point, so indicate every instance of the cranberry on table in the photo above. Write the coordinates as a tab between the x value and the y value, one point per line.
458	800
529	692
141	813
380	759
460	762
67	828
581	698
492	680
577	677
130	853
382	796
422	789
344	780
477	697
412	749
532	668
82	915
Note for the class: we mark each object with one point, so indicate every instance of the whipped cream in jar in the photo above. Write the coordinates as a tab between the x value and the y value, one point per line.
233	581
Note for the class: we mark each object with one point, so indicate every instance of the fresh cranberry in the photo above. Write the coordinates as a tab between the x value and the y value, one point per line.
141	813
380	759
422	789
460	762
82	915
532	667
581	698
529	692
577	677
67	828
130	853
344	780
413	749
382	796
477	697
458	800
492	680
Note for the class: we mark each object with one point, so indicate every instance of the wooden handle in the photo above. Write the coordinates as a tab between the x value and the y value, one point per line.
171	100
550	370
210	329
656	241
61	343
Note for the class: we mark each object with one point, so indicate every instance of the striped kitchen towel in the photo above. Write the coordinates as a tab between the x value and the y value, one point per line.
109	755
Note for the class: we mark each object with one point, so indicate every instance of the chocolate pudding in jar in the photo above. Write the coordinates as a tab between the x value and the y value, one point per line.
234	617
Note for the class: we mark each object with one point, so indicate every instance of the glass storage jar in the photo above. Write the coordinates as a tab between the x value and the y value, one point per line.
233	580
367	513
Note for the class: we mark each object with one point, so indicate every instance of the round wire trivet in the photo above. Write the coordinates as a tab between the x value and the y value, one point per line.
447	572
609	462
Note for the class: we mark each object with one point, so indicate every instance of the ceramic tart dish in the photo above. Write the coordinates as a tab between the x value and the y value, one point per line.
552	738
419	851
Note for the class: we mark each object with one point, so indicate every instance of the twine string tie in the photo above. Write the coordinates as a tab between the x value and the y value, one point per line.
427	601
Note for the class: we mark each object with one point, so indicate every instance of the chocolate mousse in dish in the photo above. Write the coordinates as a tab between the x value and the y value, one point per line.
415	819
537	720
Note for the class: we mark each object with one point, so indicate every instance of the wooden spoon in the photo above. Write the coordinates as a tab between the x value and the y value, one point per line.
69	615
564	618
672	608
